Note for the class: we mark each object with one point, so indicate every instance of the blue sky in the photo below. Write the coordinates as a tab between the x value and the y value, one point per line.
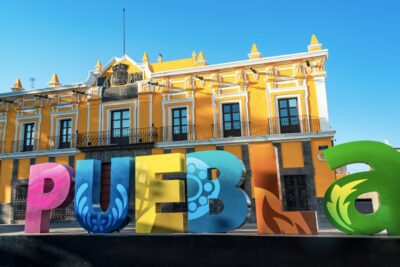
39	38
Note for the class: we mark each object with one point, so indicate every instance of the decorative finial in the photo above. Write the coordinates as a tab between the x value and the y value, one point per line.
314	44
160	58
17	87
194	55
99	67
145	58
201	60
54	81
254	53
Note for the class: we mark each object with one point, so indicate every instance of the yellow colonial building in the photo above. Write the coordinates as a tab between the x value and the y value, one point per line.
269	111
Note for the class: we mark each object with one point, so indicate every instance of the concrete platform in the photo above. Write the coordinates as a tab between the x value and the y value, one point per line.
69	247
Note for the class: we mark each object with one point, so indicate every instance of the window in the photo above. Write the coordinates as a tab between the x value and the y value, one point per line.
179	124
231	120
63	213
19	205
29	137
296	192
288	115
65	133
120	127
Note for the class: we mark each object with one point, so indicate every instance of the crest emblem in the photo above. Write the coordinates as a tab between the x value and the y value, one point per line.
120	74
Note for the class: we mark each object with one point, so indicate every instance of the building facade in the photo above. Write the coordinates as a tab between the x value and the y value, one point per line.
271	112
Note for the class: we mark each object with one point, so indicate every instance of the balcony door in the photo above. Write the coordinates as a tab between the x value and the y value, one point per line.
179	124
288	115
65	133
231	120
120	127
29	137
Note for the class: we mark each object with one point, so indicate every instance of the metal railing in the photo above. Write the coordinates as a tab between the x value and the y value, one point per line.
26	145
299	124
178	133
230	129
62	141
271	126
124	137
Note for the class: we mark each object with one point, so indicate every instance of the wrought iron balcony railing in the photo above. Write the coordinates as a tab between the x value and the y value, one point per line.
284	125
178	133
120	137
230	129
62	141
26	145
272	126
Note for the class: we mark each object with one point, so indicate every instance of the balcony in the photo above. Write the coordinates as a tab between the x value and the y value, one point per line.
26	145
147	136
120	138
178	133
62	141
288	125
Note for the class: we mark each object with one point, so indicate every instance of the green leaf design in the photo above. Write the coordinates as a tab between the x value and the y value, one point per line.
338	207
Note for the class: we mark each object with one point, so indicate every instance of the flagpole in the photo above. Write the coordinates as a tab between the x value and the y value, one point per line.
123	30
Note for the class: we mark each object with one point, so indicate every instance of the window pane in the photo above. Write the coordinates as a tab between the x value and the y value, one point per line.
177	130
293	102
227	108
282	103
184	121
125	114
236	116
235	108
176	113
228	126
293	111
125	123
125	132
294	121
116	124
236	125
284	113
227	117
184	129
284	121
116	115
183	112
177	121
116	133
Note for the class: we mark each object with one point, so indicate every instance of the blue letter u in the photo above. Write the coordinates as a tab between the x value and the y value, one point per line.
87	195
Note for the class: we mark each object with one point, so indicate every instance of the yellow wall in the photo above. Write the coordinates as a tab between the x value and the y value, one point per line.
23	169
292	155
324	177
235	150
5	181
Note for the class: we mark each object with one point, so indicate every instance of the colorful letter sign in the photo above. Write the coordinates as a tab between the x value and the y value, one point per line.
50	186
152	191
383	178
87	197
201	188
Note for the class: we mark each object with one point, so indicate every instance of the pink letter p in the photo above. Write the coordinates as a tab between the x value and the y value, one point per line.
42	198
